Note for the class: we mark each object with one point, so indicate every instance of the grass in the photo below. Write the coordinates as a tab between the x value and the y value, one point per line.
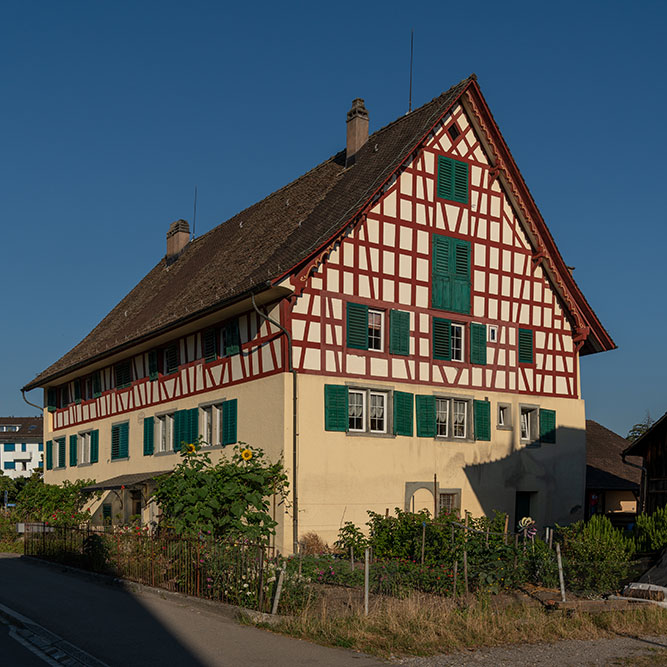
11	546
425	625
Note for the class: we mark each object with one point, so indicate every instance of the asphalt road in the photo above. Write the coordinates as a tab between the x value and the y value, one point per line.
13	654
122	628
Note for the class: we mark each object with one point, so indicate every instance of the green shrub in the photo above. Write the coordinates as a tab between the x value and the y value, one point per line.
351	537
56	504
651	530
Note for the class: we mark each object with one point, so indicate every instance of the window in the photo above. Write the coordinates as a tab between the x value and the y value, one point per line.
459	419
85	446
170	359
448	340
60	442
9	447
452	179
547	426
10	465
378	412
153	370
218	423
525	346
92	386
441	417
450	274
209	344
9	428
73	450
478	344
120	441
454	132
231	338
165	425
375	329
447	503
357	410
528	423
207	421
493	333
504	416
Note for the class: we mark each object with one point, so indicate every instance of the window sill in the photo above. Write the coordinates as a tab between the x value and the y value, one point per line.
164	453
457	440
504	428
84	465
120	458
367	434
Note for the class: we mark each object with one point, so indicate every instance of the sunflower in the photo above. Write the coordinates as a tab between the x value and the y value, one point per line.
190	448
246	455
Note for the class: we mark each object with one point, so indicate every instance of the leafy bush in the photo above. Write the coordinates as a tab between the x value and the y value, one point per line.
55	504
228	499
598	557
651	530
351	537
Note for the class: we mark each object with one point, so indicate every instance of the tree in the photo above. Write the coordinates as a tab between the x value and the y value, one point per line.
639	429
226	499
6	484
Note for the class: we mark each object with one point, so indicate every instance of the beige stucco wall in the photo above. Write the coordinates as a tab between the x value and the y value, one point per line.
341	476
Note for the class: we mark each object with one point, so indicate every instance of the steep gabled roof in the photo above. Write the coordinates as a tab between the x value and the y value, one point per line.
604	467
263	242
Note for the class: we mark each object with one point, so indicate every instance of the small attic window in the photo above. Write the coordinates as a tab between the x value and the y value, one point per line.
454	132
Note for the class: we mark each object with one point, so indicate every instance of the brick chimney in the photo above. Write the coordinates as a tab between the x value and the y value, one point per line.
357	130
177	238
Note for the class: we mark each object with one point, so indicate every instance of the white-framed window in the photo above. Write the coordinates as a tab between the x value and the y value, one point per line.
356	401
528	423
165	432
84	446
368	411
459	419
210	426
375	330
447	503
378	412
8	427
442	417
457	341
504	415
493	333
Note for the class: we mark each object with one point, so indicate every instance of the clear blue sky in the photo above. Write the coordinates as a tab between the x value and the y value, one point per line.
112	112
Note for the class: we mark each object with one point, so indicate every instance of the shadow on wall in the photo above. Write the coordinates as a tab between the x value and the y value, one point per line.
543	480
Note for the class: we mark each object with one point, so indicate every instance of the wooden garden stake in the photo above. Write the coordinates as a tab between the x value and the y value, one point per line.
351	558
487	535
507	520
423	539
551	538
560	573
366	568
435	496
465	569
279	590
456	567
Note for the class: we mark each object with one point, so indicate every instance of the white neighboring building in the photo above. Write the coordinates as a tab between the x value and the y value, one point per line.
21	446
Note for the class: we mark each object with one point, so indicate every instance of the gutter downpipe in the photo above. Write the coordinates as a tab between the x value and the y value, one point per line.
41	409
643	485
295	502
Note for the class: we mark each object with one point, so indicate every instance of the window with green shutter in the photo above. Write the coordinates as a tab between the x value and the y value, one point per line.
478	344
548	426
149	435
442	339
335	407
425	408
51	399
525	346
49	455
97	384
209	343
452	179
123	374
152	365
171	359
94	446
357	326
403	413
399	332
450	274
120	441
482	410
229	421
62	455
77	391
72	450
64	396
231	338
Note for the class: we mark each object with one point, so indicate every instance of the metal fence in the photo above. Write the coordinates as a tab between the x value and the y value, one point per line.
240	573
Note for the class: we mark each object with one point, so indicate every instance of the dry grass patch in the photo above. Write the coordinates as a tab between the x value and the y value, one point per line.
427	625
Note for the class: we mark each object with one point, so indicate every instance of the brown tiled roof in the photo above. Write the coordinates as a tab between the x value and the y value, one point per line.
604	466
30	428
258	244
125	480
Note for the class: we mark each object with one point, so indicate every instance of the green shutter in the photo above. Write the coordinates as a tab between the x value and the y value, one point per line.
94	446
441	285
209	344
72	450
64	396
232	338
336	417
123	374
115	442
478	344
97	384
460	276
442	339
152	365
62	456
171	359
229	419
124	440
403	413
548	426
51	399
49	455
399	332
482	420
425	407
453	180
357	326
193	426
179	435
77	391
525	346
149	435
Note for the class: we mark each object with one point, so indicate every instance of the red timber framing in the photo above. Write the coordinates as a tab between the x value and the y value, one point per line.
382	259
261	355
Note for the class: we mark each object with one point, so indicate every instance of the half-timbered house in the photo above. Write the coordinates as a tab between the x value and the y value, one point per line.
396	322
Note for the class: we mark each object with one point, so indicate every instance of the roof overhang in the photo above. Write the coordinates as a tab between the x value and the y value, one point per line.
132	481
